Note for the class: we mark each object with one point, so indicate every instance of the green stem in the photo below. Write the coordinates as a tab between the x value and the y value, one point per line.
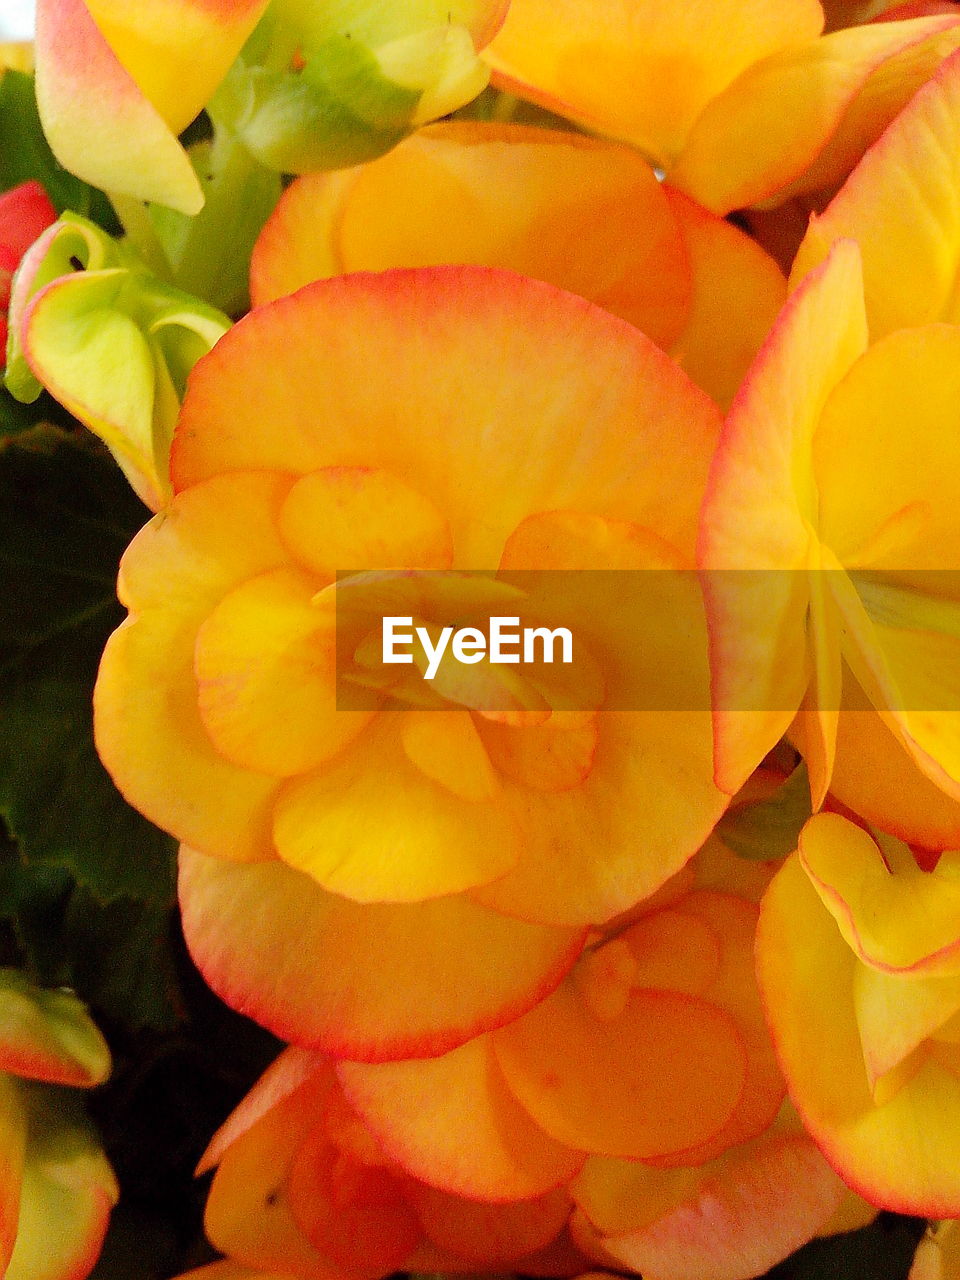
139	230
503	108
212	252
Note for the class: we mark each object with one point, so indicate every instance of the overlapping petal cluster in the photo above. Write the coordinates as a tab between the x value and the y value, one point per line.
488	809
739	103
850	595
583	214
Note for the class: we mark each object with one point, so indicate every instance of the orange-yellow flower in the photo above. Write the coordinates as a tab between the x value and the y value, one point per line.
898	205
828	534
583	214
859	961
303	1187
738	103
440	420
653	1049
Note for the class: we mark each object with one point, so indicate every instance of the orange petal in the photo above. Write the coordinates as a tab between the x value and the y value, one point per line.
356	1215
265	667
895	1017
814	732
97	121
13	1140
148	727
902	1155
177	51
446	746
284	1076
626	846
638	70
585	215
724	1229
370	982
738	290
886	92
734	989
910	254
553	756
477	372
227	1269
758	514
354	518
248	1211
895	918
771	125
897	519
487	1234
629	848
452	1123
664	1075
874	775
673	951
375	826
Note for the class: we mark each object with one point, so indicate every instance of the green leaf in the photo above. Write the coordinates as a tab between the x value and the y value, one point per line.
25	154
119	959
769	829
299	122
210	253
68	517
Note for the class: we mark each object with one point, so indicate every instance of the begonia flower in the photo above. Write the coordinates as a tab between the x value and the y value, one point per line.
56	1187
25	212
422	423
110	341
652	1049
303	1187
738	103
857	353
585	215
117	82
857	954
828	591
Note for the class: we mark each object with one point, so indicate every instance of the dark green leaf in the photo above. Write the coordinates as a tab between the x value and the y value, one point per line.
769	829
15	418
119	959
882	1251
68	514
